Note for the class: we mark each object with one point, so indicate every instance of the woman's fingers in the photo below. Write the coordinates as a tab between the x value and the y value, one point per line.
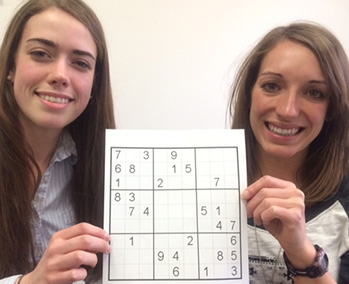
68	252
271	200
268	193
289	217
83	242
63	277
83	229
80	237
265	182
279	206
72	260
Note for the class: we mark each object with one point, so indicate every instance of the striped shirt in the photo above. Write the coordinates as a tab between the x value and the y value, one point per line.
52	207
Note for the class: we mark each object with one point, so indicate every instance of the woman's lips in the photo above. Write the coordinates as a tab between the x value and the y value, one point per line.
284	131
54	98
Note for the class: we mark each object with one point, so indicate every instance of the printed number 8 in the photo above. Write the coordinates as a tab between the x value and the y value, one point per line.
117	197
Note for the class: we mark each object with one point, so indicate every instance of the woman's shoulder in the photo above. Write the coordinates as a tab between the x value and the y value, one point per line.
340	198
343	193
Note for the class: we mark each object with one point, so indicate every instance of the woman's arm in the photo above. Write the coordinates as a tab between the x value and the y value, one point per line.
325	279
279	206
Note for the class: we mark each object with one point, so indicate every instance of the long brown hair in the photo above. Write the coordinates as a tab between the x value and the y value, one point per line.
16	160
327	160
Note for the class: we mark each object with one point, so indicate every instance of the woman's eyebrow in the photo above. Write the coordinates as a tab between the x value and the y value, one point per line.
83	53
314	81
271	73
50	43
318	82
43	41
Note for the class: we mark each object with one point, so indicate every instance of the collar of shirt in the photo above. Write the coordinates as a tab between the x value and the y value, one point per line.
65	148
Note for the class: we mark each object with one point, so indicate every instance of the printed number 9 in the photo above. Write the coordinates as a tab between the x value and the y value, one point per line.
161	256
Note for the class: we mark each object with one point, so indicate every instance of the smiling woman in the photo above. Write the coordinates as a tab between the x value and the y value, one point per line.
51	143
291	96
58	87
285	114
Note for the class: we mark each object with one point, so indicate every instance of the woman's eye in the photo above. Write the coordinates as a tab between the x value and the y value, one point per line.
39	54
314	94
83	65
270	87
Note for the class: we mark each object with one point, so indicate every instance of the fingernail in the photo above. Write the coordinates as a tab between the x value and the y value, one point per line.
245	195
107	237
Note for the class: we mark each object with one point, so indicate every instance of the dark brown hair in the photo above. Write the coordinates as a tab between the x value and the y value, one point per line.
19	173
327	160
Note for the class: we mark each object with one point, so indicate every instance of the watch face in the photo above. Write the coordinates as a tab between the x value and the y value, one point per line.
315	272
320	265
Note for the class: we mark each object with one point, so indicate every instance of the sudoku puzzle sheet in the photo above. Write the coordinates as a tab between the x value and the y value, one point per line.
173	207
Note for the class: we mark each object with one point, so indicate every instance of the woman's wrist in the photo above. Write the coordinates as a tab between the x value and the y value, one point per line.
302	258
317	269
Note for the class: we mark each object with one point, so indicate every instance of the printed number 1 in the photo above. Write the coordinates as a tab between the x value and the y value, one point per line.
206	271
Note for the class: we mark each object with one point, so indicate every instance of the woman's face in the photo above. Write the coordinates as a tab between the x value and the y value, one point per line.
54	72
289	101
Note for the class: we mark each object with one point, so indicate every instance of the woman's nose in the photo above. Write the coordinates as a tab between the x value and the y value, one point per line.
288	105
59	73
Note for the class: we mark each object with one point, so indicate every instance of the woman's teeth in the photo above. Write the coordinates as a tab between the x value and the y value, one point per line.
54	99
283	132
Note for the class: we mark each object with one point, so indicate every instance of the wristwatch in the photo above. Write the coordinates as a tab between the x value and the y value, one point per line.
317	269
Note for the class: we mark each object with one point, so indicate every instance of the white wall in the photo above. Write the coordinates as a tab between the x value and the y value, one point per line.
172	61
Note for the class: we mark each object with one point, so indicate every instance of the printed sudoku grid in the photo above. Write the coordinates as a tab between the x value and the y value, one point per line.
174	214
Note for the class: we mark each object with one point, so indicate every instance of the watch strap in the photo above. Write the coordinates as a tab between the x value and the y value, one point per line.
317	269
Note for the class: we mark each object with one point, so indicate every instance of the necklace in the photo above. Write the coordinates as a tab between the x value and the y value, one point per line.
260	259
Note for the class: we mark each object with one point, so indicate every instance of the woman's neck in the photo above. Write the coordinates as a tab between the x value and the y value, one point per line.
280	167
43	145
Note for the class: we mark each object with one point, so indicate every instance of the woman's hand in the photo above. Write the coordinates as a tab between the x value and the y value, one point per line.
279	206
67	252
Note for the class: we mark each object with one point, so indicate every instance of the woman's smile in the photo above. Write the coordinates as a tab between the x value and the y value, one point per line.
54	97
288	131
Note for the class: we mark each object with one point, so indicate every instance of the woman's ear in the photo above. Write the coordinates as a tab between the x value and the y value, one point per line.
10	77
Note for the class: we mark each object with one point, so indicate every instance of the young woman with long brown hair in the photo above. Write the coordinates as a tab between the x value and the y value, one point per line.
291	95
55	105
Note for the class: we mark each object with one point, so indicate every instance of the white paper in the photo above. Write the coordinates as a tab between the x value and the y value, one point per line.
173	207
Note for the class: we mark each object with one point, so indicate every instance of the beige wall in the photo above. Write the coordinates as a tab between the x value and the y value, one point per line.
172	61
